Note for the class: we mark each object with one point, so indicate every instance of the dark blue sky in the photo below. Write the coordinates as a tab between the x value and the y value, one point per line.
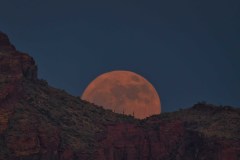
189	50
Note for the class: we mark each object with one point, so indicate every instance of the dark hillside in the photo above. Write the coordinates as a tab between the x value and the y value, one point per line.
39	122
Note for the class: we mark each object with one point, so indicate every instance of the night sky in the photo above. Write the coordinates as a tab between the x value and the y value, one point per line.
189	50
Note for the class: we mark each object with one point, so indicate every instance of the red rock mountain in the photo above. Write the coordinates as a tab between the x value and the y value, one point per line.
39	122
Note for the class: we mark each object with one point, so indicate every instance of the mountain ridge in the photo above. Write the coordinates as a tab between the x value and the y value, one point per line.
40	122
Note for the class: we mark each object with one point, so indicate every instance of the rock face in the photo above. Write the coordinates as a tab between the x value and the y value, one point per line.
38	122
5	44
14	67
128	141
167	141
14	64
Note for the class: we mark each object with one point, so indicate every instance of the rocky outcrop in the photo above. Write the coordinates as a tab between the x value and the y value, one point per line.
38	122
14	65
5	44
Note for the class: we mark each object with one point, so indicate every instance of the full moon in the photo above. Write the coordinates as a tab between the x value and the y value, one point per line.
124	92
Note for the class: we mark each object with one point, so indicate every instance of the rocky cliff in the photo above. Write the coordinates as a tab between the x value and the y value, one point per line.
39	122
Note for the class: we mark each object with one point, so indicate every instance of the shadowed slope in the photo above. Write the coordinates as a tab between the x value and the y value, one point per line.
38	122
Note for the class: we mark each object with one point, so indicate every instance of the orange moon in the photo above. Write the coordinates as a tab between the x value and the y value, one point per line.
124	92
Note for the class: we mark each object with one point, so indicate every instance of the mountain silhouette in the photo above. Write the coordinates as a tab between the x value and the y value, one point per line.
39	122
